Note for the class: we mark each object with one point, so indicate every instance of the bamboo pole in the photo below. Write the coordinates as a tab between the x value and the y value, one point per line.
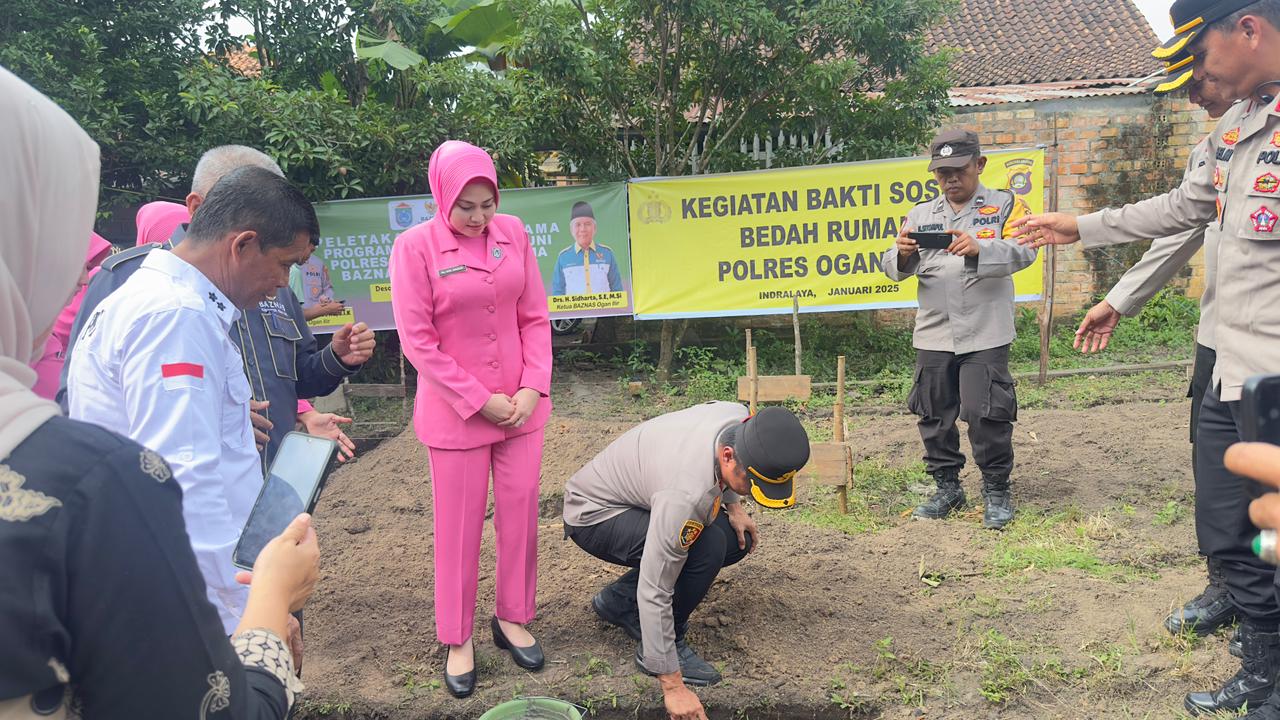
795	324
753	378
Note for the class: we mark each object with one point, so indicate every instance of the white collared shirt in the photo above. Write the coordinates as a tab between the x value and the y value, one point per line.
155	364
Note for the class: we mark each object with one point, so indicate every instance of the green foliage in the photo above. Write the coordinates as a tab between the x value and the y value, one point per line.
689	81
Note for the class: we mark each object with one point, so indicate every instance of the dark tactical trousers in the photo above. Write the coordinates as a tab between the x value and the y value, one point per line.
975	387
1223	528
620	540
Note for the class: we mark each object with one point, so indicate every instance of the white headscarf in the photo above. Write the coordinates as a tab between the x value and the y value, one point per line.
48	196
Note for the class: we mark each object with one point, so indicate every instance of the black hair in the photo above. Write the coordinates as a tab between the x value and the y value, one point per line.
1268	10
254	198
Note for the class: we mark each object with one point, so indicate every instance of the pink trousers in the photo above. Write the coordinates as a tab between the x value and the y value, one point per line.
460	497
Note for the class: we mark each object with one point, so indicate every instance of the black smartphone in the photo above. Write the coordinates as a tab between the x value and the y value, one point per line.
293	486
1260	409
932	240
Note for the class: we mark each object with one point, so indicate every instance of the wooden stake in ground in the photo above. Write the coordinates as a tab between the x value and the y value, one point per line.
837	434
1050	263
753	378
795	324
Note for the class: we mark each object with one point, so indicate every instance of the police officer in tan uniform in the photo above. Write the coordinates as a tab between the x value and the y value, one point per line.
1234	46
964	327
1212	608
663	500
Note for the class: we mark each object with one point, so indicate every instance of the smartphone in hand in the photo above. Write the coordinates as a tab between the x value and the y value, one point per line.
932	240
293	486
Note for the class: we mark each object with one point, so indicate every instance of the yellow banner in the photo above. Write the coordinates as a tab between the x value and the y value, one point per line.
748	243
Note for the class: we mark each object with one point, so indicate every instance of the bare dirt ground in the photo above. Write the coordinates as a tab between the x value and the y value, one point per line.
870	615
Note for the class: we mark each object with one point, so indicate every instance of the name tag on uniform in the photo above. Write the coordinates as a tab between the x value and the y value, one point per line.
452	270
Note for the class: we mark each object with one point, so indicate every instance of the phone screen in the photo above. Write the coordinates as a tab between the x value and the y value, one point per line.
291	487
1260	409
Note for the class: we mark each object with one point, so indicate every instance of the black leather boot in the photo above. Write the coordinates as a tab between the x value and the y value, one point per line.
1269	710
616	604
999	507
948	497
1255	681
1209	610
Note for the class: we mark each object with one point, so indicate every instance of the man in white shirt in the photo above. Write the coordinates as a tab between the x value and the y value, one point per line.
154	361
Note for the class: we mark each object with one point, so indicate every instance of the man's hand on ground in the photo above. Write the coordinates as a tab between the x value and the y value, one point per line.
681	702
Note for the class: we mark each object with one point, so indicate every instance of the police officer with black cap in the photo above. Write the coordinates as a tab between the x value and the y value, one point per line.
964	326
664	500
1234	46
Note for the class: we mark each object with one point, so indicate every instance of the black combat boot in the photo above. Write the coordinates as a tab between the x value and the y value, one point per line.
1209	610
693	669
616	604
1253	684
950	496
1269	710
999	507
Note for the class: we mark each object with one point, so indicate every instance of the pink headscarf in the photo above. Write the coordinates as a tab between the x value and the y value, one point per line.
48	366
156	221
454	164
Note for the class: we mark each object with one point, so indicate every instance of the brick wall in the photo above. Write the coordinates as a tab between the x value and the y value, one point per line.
1099	144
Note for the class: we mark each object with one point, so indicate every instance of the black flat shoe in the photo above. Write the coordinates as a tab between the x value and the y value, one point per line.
459	686
529	658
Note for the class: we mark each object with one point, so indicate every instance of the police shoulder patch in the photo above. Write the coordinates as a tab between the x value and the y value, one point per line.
125	256
689	533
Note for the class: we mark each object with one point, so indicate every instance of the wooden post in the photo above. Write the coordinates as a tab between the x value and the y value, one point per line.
1050	263
837	434
753	378
795	324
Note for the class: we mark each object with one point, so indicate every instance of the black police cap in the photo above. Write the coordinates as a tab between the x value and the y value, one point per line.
772	446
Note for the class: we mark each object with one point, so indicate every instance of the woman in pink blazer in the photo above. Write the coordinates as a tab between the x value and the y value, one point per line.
471	311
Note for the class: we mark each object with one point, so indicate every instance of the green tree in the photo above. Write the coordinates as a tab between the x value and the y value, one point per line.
107	63
650	87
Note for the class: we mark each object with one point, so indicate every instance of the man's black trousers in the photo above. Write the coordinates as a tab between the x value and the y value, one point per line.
975	387
1223	528
620	540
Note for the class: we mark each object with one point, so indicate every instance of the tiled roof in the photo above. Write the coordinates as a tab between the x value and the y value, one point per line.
1030	92
244	60
1010	42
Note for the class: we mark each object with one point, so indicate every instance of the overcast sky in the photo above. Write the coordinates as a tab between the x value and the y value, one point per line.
1157	12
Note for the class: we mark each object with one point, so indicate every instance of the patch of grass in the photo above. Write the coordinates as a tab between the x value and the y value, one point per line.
879	495
313	708
1052	541
1172	512
416	679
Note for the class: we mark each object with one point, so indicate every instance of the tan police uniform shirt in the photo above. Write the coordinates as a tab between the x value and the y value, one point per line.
666	466
1168	255
966	303
1237	193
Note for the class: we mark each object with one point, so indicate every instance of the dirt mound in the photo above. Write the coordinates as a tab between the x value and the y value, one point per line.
1058	617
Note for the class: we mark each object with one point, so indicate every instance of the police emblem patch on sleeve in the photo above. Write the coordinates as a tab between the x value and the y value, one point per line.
690	533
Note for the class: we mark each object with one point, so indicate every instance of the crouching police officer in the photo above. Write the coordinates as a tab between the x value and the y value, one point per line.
650	501
964	327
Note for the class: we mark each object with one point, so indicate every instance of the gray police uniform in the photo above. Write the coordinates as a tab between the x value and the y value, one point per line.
651	500
1239	194
963	330
1159	264
281	359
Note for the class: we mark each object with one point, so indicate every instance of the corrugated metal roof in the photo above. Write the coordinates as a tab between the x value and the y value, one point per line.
1031	92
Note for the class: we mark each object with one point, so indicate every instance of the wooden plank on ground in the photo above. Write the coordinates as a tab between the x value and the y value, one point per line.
375	390
776	388
826	464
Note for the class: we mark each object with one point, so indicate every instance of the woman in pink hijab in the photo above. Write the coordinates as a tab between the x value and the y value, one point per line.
471	311
49	367
157	220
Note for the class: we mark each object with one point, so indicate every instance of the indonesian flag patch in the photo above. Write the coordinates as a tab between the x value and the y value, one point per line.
182	375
